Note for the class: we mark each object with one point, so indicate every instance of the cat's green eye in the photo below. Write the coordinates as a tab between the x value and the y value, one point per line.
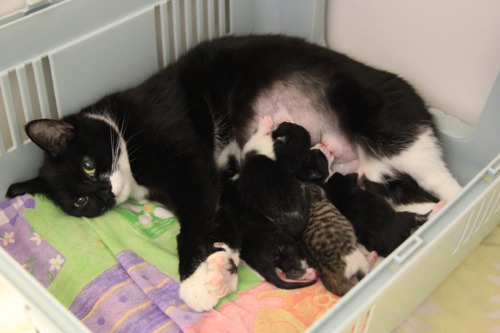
81	202
89	166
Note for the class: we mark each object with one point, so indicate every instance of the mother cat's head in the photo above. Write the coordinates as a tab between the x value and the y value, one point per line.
86	169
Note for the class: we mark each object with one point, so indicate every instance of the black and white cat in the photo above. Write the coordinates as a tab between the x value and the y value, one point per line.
160	139
266	204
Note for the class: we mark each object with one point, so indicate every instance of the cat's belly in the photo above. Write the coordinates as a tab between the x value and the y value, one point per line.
309	109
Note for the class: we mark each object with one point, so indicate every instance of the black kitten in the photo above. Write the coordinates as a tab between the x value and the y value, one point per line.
269	207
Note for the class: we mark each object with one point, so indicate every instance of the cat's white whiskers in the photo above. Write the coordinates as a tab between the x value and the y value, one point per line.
123	184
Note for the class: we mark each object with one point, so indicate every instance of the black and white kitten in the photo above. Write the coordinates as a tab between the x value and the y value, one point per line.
160	140
267	205
378	226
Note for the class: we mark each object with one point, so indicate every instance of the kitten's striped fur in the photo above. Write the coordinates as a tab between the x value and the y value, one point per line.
331	246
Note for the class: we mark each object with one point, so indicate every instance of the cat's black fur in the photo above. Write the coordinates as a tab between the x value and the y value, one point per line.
268	206
176	122
377	225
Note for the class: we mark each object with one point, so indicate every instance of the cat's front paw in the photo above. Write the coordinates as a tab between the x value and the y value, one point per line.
212	280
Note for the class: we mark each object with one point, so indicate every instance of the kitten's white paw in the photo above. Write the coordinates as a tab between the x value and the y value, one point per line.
212	280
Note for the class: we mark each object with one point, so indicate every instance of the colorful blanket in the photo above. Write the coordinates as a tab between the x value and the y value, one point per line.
118	273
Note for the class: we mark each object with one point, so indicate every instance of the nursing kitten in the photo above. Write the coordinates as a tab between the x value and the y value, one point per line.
378	226
267	183
160	140
331	246
267	205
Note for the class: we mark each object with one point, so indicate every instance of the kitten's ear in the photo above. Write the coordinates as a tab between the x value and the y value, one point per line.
283	139
314	174
352	178
50	135
32	186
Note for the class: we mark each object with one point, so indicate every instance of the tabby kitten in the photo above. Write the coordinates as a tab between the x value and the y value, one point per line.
331	246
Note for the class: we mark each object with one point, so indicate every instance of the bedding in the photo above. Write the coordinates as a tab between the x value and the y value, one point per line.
118	272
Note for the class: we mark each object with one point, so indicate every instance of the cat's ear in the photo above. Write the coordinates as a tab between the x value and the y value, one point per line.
32	186
50	135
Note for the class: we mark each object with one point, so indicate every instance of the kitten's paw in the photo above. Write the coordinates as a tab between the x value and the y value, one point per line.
372	257
437	208
266	124
361	175
212	280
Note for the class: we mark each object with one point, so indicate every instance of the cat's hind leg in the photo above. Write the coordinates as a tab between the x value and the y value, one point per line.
422	160
212	280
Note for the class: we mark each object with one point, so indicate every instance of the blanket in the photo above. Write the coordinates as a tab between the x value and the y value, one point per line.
118	272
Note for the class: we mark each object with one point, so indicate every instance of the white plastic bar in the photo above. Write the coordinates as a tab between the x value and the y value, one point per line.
222	17
3	149
188	24
27	105
200	32
165	32
210	17
177	28
10	112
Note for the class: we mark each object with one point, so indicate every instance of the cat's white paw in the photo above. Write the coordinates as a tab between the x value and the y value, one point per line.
212	280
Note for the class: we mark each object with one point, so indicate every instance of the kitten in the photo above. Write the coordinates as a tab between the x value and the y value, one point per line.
378	226
267	183
160	140
267	205
331	246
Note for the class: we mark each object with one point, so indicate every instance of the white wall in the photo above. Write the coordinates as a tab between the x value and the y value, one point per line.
448	49
10	6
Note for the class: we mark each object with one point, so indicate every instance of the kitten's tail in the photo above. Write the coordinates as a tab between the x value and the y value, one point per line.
269	273
273	277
